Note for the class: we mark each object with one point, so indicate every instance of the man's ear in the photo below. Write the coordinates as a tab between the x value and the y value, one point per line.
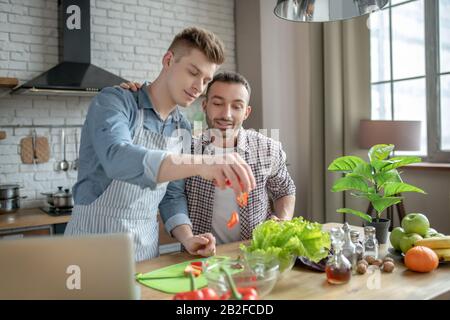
247	112
204	103
167	59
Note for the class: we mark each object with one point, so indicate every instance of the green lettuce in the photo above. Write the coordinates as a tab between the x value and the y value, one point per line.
285	239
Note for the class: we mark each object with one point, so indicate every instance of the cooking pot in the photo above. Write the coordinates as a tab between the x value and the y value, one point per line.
9	191
63	199
60	199
10	205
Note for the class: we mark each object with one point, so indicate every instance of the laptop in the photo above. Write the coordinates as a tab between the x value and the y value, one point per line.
78	267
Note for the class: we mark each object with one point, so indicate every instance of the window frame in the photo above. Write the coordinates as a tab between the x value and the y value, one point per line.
432	79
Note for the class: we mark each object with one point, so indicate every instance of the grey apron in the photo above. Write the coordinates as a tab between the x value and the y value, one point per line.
124	207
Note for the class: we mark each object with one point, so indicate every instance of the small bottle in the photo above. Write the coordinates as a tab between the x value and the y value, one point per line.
338	268
348	249
359	249
370	242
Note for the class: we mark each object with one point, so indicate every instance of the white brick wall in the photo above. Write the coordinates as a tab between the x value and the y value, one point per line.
128	37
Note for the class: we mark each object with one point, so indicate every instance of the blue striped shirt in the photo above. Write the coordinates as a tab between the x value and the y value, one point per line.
107	151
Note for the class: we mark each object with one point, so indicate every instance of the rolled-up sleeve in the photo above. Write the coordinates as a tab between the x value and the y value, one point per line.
173	207
280	183
108	122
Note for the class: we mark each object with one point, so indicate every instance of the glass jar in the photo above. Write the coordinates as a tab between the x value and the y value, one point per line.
348	248
338	268
370	242
359	249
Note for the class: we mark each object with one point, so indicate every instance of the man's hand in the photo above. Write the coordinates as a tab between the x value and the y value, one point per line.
230	167
133	86
202	244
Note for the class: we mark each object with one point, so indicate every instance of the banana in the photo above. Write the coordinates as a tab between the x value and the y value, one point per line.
443	254
434	243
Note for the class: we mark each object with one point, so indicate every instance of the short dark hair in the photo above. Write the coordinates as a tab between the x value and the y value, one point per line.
230	77
201	39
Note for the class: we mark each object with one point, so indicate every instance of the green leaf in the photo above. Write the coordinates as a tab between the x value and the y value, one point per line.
382	203
350	183
394	188
384	177
398	162
380	151
363	170
345	164
379	165
357	213
362	195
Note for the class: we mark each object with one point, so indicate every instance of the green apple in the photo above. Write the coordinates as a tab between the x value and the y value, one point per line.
395	237
408	240
431	233
416	223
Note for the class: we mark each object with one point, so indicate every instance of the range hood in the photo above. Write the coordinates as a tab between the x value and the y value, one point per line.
74	75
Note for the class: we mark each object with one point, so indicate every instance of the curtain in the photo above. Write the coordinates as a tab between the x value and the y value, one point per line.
339	97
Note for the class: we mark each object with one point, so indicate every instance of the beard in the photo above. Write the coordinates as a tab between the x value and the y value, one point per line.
222	135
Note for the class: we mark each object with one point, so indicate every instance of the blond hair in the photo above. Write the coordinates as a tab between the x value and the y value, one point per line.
197	38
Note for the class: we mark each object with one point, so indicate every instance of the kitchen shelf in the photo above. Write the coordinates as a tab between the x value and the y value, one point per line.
8	82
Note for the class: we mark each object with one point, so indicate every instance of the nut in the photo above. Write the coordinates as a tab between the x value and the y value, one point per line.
377	262
361	268
369	259
363	262
388	266
388	259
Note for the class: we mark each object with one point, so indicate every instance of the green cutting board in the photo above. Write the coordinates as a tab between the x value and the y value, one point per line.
178	281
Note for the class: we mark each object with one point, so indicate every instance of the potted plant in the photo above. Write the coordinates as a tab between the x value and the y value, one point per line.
378	181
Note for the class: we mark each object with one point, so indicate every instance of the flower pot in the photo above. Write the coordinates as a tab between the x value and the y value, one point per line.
381	228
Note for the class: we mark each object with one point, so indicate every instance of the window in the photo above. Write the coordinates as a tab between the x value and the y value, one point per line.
410	70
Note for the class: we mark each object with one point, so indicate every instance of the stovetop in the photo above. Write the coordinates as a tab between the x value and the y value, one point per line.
56	211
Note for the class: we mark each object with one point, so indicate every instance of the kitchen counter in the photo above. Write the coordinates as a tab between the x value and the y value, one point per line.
301	283
26	218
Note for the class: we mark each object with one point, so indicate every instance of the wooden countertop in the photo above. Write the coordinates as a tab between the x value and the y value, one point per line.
24	218
301	283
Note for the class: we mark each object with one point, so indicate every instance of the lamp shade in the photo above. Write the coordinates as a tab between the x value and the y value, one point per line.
325	10
405	135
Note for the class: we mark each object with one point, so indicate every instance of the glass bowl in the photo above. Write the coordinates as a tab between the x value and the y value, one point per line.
284	266
255	273
287	266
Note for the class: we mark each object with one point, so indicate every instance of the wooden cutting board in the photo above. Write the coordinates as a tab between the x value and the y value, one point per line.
8	82
42	150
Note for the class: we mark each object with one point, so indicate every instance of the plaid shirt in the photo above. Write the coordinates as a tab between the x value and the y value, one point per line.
268	163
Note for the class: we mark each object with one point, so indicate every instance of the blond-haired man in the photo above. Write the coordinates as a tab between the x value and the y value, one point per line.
130	161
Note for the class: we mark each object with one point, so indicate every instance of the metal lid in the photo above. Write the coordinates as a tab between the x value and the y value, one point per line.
8	186
354	234
62	194
369	230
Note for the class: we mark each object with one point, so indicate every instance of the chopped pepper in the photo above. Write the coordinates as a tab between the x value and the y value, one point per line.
242	199
203	294
192	270
234	219
197	264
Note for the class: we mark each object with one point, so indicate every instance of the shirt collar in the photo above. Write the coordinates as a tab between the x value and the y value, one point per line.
241	146
146	103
